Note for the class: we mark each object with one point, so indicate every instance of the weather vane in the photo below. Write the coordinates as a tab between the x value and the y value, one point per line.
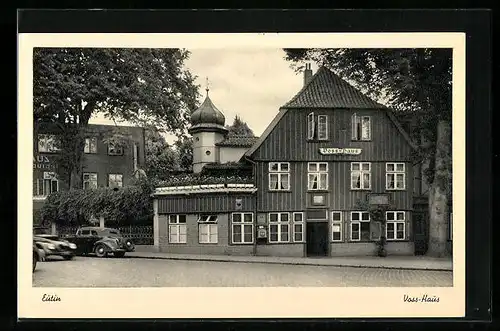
207	88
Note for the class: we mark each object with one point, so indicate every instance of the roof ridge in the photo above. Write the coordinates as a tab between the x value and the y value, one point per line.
326	89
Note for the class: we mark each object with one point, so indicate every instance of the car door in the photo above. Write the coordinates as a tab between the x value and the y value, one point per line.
84	241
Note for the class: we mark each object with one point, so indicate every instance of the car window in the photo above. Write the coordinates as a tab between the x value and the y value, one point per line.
85	232
114	232
93	232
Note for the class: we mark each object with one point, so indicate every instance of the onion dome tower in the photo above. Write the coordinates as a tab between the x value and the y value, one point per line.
207	129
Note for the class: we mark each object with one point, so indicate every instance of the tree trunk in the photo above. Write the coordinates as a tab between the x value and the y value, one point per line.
440	192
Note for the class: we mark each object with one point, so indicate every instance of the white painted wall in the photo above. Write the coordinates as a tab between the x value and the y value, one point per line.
203	143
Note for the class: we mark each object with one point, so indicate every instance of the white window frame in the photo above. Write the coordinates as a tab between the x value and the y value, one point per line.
114	150
395	223
359	223
318	173
89	142
357	128
210	222
48	179
50	143
311	126
278	224
280	173
395	173
90	180
361	174
175	222
115	176
320	129
301	223
242	224
339	223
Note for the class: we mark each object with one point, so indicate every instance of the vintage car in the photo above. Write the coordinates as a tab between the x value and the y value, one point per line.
101	242
38	255
55	246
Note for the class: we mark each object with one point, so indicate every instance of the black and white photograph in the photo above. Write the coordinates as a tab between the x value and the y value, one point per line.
270	165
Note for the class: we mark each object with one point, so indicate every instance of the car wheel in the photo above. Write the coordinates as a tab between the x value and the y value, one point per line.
68	257
34	262
100	251
119	254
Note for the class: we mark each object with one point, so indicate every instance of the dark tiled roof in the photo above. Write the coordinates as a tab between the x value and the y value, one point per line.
327	90
238	141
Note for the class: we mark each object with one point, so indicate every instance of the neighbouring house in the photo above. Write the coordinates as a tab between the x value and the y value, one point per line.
104	164
297	190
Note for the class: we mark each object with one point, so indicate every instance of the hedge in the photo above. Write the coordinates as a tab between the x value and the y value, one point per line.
128	205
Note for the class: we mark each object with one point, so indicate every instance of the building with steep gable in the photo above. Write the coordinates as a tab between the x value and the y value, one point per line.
328	153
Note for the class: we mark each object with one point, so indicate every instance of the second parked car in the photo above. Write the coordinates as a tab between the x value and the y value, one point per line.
101	242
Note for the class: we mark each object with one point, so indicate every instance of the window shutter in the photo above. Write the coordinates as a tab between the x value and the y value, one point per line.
354	128
310	126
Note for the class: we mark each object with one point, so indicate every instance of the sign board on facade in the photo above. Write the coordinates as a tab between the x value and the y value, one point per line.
238	204
378	199
42	162
345	151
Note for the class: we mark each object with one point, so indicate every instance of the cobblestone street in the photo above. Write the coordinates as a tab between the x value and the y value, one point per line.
133	272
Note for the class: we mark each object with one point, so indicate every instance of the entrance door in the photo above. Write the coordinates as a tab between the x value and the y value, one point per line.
420	232
317	239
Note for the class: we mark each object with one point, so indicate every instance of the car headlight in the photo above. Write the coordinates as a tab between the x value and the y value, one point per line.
73	246
51	246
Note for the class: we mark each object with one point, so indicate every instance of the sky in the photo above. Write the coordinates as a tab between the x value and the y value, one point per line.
252	83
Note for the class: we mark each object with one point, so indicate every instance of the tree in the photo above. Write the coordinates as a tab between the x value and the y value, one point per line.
161	158
143	86
184	149
410	81
240	128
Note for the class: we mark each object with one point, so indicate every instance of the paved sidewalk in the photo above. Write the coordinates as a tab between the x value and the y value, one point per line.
390	262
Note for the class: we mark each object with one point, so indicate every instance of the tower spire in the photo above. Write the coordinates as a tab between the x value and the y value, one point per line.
207	88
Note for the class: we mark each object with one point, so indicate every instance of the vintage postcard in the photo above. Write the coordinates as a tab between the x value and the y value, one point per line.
271	175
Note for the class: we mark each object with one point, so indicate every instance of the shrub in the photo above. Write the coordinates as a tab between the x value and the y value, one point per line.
126	205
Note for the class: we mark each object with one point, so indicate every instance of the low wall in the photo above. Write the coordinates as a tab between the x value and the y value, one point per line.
370	249
289	250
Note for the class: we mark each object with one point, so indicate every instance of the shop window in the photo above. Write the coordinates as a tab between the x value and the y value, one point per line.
46	185
90	145
279	176
47	143
207	229
89	180
395	176
279	227
115	180
395	225
361	128
242	228
298	227
317	176
336	226
361	176
361	227
177	229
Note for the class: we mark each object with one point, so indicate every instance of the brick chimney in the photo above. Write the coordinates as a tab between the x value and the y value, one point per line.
307	73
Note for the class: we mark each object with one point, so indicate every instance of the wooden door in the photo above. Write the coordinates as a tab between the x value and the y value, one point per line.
317	239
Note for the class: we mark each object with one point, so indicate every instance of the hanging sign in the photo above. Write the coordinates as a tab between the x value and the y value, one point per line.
347	151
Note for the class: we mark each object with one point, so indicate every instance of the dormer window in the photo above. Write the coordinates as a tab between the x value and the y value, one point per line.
361	128
317	127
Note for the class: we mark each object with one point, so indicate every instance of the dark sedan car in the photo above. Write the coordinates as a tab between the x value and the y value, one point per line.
55	246
101	242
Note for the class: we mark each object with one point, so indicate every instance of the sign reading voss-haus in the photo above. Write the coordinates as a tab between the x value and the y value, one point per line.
347	151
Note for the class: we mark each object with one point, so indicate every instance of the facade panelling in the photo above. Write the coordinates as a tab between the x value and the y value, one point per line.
192	245
287	141
214	203
340	196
